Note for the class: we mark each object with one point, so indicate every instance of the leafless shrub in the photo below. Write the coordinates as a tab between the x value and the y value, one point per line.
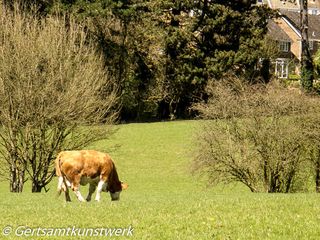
235	98
256	134
52	85
311	131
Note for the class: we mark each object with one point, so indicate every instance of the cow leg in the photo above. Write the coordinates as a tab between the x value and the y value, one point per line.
67	195
68	184
63	185
75	188
79	196
65	188
92	188
60	183
99	189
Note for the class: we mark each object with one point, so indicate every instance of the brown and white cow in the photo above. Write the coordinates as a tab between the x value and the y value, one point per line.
75	168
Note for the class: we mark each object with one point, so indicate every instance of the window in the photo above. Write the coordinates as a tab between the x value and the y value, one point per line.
284	46
314	11
282	68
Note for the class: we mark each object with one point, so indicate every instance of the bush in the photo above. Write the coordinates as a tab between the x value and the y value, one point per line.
52	82
256	135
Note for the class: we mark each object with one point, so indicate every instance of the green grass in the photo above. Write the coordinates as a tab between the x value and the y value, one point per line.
164	201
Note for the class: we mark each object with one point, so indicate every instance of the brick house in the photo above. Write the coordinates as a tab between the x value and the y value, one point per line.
285	57
285	30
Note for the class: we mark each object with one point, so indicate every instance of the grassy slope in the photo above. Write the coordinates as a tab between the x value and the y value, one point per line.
163	200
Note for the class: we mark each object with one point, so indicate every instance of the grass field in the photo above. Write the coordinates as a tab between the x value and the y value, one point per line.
164	201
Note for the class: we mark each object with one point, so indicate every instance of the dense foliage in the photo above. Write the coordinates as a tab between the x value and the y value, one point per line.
162	53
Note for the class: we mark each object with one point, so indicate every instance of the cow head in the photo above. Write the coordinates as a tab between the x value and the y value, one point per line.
116	190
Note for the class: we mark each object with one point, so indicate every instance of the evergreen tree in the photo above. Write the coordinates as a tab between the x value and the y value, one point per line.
204	40
162	53
124	39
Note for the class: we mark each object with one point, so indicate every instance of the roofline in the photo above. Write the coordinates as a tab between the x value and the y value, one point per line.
291	26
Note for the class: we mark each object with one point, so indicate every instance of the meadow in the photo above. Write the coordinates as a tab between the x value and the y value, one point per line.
164	200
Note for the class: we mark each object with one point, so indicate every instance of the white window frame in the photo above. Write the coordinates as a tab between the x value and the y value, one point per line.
282	67
313	11
284	46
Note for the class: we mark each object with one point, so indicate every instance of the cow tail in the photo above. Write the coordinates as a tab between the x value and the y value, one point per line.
58	166
60	173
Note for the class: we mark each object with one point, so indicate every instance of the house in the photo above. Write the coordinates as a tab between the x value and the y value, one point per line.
285	56
285	30
294	5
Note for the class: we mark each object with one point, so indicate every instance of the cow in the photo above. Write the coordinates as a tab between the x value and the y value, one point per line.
75	168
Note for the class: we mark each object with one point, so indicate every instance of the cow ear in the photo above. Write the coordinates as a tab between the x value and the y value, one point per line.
124	186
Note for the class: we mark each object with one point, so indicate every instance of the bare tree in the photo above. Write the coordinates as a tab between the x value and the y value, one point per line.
311	126
52	87
260	135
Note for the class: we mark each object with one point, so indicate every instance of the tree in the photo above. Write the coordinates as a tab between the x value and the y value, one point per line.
163	53
204	40
52	87
317	63
42	6
127	38
311	126
260	135
128	53
306	60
